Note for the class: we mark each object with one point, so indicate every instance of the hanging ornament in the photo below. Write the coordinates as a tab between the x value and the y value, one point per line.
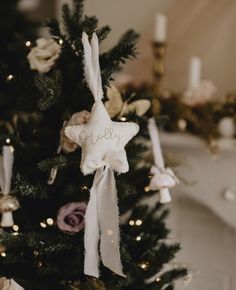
226	127
162	178
8	202
117	107
102	142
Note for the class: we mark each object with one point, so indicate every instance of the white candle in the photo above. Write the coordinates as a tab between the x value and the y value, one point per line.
160	30
195	73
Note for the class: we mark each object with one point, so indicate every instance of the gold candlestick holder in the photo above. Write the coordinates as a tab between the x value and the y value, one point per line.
159	51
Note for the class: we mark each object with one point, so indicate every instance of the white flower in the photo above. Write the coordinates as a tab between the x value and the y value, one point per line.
201	95
43	56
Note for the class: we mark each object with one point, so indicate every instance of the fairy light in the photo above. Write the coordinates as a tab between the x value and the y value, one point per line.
138	222
50	221
15	234
146	189
123	119
3	254
60	41
28	43
158	279
15	228
84	188
43	225
131	223
8	140
144	266
10	77
138	238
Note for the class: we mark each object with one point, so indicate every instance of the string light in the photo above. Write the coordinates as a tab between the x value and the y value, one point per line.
50	221
138	238
43	225
3	254
123	119
28	43
10	77
16	228
15	234
144	266
158	279
60	41
131	223
36	253
138	222
146	189
84	188
8	140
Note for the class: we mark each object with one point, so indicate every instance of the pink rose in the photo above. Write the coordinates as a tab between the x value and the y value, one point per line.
206	92
70	217
78	118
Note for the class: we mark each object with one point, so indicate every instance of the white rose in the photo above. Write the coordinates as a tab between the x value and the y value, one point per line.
43	56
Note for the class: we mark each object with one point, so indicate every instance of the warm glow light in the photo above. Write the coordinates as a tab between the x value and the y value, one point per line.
146	188
123	119
15	228
50	221
3	254
43	225
158	279
8	140
138	238
138	222
10	77
131	222
15	234
28	43
143	266
60	41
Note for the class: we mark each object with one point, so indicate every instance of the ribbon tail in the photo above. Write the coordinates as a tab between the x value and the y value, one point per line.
8	158
91	236
109	223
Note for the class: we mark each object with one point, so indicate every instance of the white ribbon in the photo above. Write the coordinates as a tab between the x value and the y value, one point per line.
102	215
163	178
6	163
9	284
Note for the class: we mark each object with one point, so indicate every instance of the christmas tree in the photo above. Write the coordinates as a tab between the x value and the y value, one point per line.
44	249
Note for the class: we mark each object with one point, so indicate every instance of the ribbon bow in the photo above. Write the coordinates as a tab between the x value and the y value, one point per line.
102	215
163	178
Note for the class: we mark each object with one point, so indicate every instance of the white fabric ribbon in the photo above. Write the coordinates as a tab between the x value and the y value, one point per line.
163	178
102	215
102	223
6	163
9	284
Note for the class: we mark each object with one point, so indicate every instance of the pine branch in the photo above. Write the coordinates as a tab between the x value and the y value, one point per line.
58	161
54	28
103	32
90	24
28	190
50	88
